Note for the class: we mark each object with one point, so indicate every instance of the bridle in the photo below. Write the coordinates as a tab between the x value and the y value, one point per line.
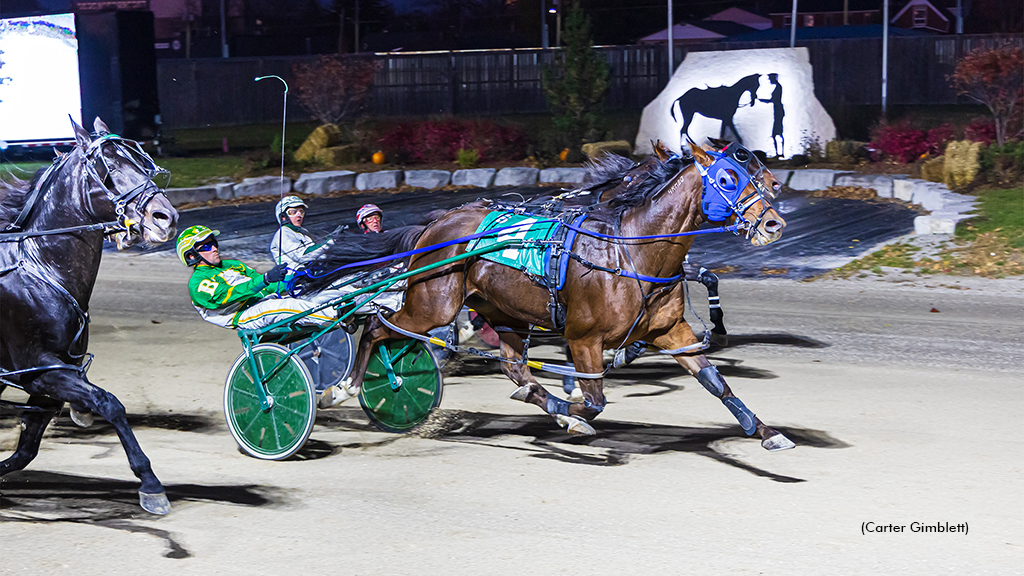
140	195
725	180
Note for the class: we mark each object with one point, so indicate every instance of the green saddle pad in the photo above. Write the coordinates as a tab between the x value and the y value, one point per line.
532	259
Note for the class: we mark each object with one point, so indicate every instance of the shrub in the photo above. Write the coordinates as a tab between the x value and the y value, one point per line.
980	130
937	138
900	141
468	158
933	169
961	164
1003	164
439	141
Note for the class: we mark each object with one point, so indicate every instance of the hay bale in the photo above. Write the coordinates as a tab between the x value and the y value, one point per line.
961	165
934	169
595	150
842	151
337	155
323	137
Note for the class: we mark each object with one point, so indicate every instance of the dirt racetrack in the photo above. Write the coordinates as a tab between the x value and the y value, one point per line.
903	418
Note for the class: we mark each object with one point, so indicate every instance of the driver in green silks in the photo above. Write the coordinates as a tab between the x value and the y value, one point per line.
231	294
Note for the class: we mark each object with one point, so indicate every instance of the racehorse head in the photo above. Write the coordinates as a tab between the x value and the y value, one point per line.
738	185
120	170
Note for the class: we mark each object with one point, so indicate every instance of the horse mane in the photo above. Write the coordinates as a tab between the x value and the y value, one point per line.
353	247
14	194
608	172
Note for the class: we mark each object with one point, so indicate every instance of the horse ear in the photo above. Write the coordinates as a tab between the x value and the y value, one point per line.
81	136
698	153
661	151
100	127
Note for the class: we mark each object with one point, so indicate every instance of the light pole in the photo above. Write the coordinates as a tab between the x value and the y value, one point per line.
223	32
792	27
671	42
885	55
543	24
284	115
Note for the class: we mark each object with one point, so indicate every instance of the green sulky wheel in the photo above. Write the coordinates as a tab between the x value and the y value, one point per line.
279	432
418	392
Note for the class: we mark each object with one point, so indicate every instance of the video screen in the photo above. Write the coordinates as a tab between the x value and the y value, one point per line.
39	85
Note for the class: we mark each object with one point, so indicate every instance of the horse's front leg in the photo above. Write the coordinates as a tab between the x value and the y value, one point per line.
73	387
697	364
33	424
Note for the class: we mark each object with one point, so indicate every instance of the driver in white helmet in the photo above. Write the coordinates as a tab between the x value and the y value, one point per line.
292	244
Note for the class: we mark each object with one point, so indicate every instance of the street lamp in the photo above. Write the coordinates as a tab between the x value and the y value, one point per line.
284	115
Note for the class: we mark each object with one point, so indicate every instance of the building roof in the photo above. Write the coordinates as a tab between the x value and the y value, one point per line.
824	33
741	16
809	6
943	13
698	30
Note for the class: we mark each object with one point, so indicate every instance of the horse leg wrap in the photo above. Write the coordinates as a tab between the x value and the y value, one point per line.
557	406
743	414
711	380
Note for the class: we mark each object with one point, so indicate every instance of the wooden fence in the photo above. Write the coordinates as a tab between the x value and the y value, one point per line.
217	92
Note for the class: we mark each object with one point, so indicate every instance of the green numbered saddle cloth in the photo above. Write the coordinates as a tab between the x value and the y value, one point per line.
531	259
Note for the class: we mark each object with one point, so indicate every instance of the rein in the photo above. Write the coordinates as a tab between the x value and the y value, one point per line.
106	227
120	200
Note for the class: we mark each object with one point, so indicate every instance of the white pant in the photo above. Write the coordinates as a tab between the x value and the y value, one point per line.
272	310
393	300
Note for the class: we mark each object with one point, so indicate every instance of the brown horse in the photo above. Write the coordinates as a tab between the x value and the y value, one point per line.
604	308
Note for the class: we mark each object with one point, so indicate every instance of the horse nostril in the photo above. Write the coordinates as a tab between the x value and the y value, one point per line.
160	216
771	226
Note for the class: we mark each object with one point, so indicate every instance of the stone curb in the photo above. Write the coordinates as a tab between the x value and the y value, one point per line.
947	208
320	183
479	177
427	178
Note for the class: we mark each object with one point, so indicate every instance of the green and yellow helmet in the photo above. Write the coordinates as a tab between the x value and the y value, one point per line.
187	241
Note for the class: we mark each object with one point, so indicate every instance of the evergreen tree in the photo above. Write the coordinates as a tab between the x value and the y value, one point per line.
576	87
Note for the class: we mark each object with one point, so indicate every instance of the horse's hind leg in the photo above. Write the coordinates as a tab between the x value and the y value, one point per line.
33	424
76	389
771	439
531	392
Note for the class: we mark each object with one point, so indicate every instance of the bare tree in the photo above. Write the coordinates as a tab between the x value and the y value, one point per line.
334	87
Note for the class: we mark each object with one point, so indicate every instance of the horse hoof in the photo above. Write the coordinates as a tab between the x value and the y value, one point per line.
575	425
520	393
83	419
777	442
334	395
155	503
576	396
721	340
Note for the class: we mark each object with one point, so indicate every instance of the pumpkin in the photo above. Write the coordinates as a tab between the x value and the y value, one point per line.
378	157
563	155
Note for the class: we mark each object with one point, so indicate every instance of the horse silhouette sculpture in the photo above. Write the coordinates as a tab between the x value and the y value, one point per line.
719	103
